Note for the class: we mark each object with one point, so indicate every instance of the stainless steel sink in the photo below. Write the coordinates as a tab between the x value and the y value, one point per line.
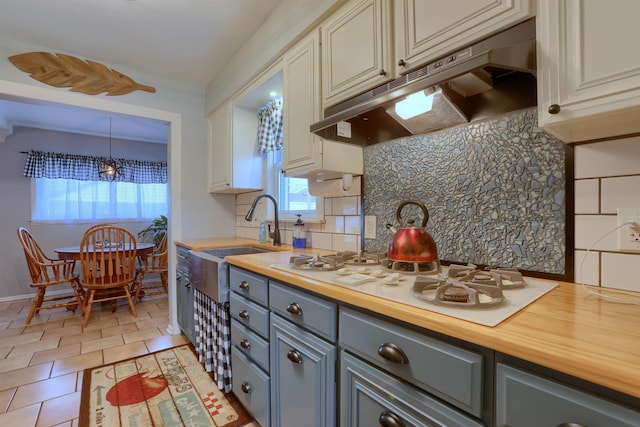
235	250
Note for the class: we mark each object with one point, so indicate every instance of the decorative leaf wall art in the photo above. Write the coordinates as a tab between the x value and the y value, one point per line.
88	77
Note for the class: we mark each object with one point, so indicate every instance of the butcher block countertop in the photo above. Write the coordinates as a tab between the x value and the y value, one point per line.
566	329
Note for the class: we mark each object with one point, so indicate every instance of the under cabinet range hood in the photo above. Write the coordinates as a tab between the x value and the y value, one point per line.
491	77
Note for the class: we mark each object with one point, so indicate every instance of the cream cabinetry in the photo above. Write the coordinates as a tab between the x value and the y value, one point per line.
356	49
304	152
428	29
219	153
588	69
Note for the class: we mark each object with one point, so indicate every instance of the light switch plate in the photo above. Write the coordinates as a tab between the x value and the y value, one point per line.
370	227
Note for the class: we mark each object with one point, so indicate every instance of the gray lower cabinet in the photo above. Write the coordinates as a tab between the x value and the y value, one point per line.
248	305
184	294
372	397
525	399
303	358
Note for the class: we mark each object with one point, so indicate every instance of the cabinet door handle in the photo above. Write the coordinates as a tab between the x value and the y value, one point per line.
295	309
392	353
389	419
382	72
554	109
245	344
244	314
294	356
245	387
243	285
402	63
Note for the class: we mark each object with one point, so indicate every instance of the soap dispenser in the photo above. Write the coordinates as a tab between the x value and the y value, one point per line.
299	234
262	232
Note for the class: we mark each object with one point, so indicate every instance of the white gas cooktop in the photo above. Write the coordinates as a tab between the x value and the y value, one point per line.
365	281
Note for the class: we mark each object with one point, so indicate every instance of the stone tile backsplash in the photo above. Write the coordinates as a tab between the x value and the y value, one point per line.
495	191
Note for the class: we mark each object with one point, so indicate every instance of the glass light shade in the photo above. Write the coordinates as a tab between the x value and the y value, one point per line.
414	104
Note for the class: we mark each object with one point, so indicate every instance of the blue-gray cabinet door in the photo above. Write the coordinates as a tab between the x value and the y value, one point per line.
303	378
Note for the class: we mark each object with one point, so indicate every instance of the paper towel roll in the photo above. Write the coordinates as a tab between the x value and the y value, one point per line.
333	188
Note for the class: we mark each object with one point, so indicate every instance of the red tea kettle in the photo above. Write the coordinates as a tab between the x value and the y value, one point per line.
412	244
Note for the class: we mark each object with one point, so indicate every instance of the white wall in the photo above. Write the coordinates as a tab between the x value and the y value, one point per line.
607	177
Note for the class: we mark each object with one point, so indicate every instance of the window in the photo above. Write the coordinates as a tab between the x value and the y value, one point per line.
292	193
69	200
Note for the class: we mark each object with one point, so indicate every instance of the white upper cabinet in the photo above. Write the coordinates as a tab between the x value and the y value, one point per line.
306	154
235	166
428	29
356	49
588	68
301	106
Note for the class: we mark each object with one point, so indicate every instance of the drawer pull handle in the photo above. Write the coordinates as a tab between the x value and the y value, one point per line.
244	314
554	109
295	309
243	285
245	387
245	344
392	353
294	356
389	419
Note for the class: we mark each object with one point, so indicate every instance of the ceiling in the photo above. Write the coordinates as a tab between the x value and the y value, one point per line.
182	40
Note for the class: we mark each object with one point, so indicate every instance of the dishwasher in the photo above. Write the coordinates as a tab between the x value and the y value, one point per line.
209	276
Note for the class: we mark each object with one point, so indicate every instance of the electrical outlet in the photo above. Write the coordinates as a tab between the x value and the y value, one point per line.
629	235
370	227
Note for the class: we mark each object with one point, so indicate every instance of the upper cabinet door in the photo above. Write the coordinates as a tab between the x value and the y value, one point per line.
356	49
428	29
588	68
219	156
301	94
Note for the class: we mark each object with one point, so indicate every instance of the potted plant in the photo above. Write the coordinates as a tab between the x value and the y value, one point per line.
157	229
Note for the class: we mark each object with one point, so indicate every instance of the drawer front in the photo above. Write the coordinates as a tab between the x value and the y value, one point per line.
183	256
250	314
250	344
449	372
310	312
369	396
252	388
524	399
250	285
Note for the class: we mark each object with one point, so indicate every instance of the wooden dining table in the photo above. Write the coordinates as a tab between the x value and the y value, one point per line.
73	252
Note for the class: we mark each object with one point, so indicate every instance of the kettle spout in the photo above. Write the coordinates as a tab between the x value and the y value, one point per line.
391	228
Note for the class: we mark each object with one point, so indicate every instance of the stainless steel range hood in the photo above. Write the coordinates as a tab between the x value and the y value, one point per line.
489	78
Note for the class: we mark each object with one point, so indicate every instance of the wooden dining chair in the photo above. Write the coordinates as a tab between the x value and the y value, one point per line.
108	261
156	263
47	272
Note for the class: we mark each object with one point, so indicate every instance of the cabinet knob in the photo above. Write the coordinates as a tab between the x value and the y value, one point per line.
245	387
245	344
401	63
244	314
243	285
389	419
294	356
392	353
383	72
554	109
295	309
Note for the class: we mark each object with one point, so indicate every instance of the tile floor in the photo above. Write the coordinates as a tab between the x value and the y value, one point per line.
41	365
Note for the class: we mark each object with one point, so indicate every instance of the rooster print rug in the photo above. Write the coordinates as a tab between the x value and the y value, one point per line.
166	388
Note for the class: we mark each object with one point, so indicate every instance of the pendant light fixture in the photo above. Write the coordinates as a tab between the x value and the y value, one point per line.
110	168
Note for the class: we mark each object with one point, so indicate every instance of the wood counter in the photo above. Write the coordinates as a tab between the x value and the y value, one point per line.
567	329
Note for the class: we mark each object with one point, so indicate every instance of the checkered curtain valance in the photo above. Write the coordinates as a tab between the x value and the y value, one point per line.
270	129
85	168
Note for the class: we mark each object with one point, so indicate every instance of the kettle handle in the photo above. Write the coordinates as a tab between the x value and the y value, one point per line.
421	205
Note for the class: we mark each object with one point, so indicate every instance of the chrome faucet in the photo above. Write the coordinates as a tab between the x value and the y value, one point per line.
275	235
